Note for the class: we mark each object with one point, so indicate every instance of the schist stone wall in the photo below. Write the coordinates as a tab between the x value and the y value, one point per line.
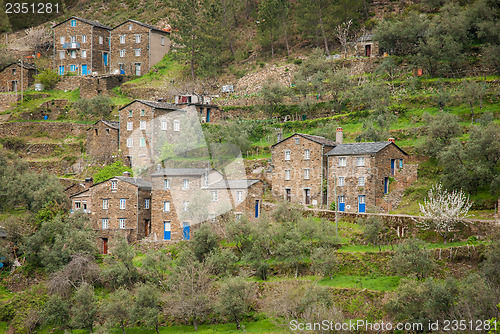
102	141
6	100
91	86
304	172
33	128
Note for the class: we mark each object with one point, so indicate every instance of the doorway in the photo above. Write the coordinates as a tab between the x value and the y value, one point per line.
147	227
105	245
361	203
341	203
307	196
368	50
186	230
166	230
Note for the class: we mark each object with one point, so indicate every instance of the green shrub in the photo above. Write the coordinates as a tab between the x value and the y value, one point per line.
13	143
48	78
115	169
99	106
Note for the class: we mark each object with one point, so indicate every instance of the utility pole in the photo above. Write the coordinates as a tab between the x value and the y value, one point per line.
336	206
21	80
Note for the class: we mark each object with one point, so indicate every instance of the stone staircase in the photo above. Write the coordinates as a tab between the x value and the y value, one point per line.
394	198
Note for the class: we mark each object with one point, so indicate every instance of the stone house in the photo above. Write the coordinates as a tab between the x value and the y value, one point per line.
91	86
136	47
119	206
13	77
366	46
168	208
243	197
81	47
207	112
362	175
76	186
102	140
174	191
183	198
141	122
300	169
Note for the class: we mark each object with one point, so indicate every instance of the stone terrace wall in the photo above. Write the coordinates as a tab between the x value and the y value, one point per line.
33	128
7	99
68	83
405	225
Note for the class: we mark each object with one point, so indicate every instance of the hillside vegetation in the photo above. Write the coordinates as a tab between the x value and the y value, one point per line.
294	67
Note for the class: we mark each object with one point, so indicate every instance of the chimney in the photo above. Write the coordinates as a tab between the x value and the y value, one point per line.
88	182
392	140
126	174
340	135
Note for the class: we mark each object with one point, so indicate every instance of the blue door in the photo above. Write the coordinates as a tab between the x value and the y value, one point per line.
186	231
208	115
341	203
392	166
166	230
105	58
361	203
257	202
61	70
84	69
386	185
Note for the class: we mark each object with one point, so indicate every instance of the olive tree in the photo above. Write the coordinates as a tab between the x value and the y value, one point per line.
146	308
190	284
234	299
84	308
411	258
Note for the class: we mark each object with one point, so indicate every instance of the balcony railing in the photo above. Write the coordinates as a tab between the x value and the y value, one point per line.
71	46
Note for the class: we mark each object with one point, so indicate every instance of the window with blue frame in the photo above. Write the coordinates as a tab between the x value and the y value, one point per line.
72	68
400	163
73	23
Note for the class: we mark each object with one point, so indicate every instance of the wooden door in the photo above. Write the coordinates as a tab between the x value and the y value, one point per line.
105	245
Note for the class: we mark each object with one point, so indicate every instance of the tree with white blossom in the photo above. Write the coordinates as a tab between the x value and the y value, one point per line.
444	210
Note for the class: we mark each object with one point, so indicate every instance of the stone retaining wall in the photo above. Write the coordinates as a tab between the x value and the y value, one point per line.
68	83
6	101
61	130
405	225
49	149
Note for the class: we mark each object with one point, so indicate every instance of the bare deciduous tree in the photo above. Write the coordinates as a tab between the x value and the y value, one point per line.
342	32
444	210
36	39
81	269
190	292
